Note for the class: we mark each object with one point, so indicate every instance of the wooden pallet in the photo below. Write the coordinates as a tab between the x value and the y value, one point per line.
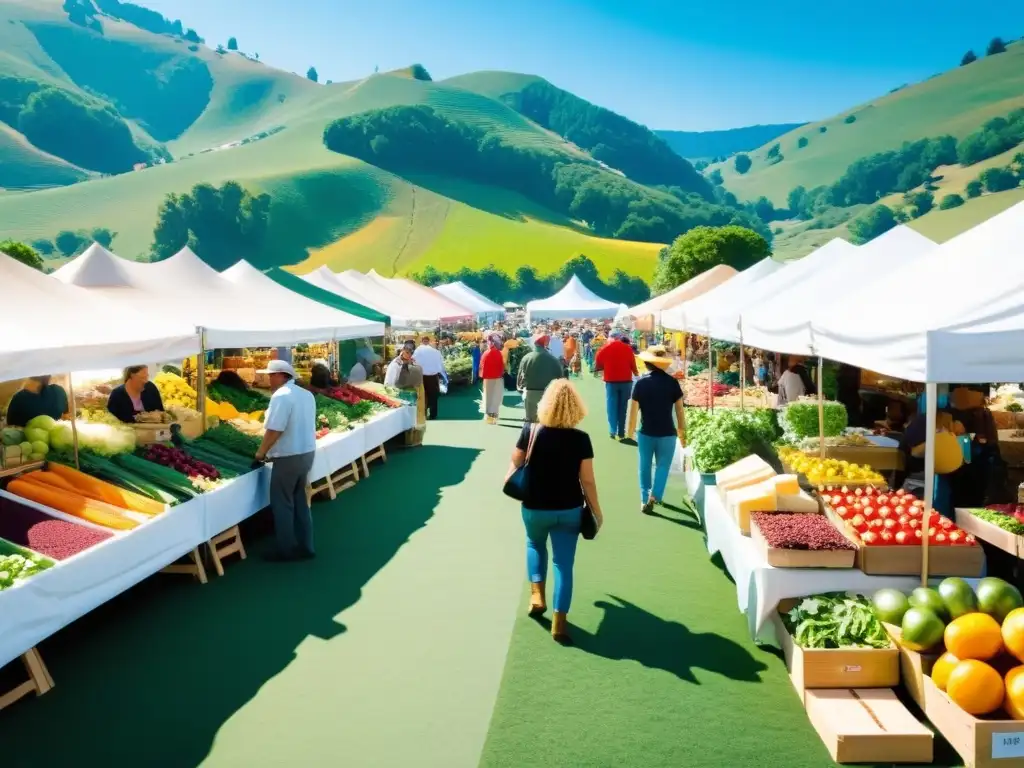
372	456
193	568
39	680
225	544
341	480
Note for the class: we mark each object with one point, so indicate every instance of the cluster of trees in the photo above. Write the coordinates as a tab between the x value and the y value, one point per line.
995	46
83	12
21	252
995	137
312	74
417	138
702	248
68	243
419	72
528	284
83	131
610	138
219	224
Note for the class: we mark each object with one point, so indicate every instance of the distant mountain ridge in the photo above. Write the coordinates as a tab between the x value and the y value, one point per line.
696	145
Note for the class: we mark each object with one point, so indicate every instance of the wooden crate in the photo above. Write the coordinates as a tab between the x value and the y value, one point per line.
801	558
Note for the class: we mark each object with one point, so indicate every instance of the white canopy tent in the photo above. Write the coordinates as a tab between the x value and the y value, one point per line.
959	320
404	314
782	322
693	316
691	289
437	306
574	302
465	296
63	328
327	280
233	314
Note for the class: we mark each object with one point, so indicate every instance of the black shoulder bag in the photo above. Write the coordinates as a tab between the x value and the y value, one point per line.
518	483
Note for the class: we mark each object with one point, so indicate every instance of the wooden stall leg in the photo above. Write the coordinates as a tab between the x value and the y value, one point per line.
39	680
371	456
195	568
224	544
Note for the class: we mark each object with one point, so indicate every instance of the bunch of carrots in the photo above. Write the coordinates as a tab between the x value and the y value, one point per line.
80	495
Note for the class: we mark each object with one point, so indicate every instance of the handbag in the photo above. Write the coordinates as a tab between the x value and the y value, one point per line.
517	484
588	523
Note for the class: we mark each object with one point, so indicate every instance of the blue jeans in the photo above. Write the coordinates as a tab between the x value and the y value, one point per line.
563	526
659	451
616	398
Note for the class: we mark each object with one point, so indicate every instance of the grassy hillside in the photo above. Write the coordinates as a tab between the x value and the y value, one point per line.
956	102
699	145
24	166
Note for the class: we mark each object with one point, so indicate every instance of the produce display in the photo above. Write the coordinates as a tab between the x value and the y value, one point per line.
876	517
168	479
28	445
851	439
153	417
800	419
836	620
695	390
818	470
39	532
339	414
67	478
458	362
799	531
178	460
17	565
720	438
228	437
981	632
228	464
75	504
175	391
1009	517
379	393
244	400
101	439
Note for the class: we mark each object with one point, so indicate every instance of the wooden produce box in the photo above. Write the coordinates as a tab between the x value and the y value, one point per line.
1011	449
147	434
801	558
837	667
878	458
914	666
868	725
880	485
993	534
907	560
191	429
982	743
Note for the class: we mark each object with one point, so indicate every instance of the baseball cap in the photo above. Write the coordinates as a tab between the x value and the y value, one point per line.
279	366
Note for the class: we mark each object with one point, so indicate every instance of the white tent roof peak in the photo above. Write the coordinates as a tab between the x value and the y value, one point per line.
574	301
901	236
96	267
465	296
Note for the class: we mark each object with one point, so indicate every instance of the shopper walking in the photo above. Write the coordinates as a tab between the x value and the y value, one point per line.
492	372
429	359
289	443
561	466
536	370
618	363
655	396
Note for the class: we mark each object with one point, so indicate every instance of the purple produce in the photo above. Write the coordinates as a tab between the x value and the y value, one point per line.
799	531
57	539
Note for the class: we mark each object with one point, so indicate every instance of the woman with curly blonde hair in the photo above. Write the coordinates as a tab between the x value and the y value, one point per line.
561	460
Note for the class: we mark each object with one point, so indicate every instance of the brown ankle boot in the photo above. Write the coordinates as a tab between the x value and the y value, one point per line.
538	603
560	628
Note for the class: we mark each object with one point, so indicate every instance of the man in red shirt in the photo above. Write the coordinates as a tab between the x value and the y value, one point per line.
617	361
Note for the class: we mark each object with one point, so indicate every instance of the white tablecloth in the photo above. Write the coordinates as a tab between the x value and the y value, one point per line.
760	587
338	450
234	502
382	428
45	604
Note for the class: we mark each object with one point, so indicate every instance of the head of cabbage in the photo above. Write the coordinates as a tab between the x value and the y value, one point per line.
102	439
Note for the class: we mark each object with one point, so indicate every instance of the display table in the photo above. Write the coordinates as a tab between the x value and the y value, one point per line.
760	587
385	426
337	450
234	502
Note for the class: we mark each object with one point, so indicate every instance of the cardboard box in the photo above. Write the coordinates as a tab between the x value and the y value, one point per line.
868	725
835	668
993	534
988	743
801	558
907	560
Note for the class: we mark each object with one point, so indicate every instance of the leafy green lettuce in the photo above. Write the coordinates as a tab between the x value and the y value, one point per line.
836	620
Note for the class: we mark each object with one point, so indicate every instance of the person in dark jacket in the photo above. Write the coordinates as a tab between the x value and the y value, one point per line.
137	395
37	397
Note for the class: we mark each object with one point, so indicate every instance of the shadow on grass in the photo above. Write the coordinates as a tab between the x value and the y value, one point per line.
685	523
149	678
462	403
629	633
719	563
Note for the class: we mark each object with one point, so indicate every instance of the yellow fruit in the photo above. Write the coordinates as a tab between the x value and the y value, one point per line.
1013	632
973	636
943	666
1014	701
975	687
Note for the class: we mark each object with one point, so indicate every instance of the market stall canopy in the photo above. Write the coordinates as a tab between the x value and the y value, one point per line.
334	296
314	321
691	289
510	305
404	314
186	288
465	296
692	315
55	328
782	322
574	302
438	306
959	320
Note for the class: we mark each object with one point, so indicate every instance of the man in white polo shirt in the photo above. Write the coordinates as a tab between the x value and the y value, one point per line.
289	444
429	359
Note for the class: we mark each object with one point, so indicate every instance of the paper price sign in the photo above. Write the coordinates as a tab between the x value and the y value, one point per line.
1008	745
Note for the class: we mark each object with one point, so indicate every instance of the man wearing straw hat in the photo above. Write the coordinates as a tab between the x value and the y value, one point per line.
289	444
656	395
538	369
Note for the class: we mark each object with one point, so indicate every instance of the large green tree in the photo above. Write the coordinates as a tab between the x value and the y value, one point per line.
220	224
877	220
702	248
21	252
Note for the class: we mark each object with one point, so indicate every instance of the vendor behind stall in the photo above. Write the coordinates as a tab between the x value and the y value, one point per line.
37	397
983	479
948	454
137	395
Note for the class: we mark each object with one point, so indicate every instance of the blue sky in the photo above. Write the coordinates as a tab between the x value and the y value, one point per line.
683	65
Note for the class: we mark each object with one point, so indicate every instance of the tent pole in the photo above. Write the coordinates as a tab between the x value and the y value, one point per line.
743	378
821	410
201	380
711	378
74	419
931	404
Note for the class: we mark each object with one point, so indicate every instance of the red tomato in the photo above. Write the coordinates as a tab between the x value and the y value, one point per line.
903	520
945	523
900	510
917	536
902	537
850	498
900	492
859	523
875	523
837	499
869	511
969	538
869	538
939	538
885	537
858	491
889	524
917	503
956	537
884	512
843	512
915	523
915	512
